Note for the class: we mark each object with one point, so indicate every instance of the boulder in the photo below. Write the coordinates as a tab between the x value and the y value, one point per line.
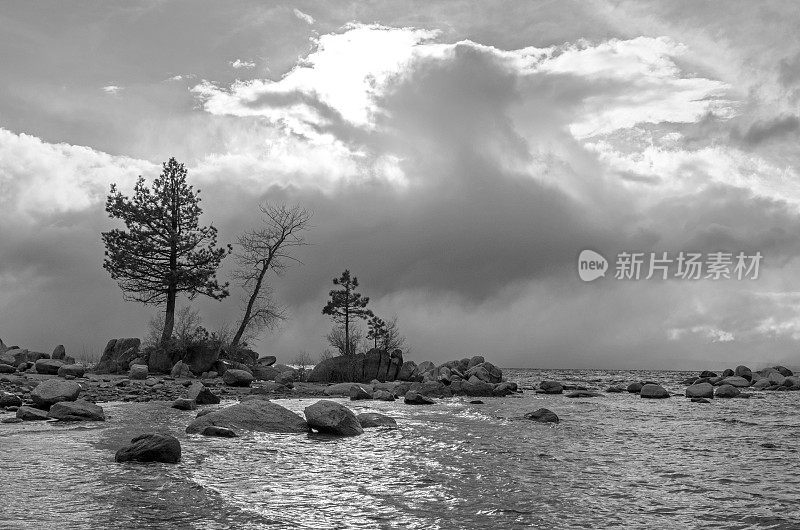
267	360
357	392
330	417
48	393
542	416
504	389
117	356
32	414
474	388
138	372
736	381
615	389
793	381
75	370
59	353
761	384
200	357
635	388
184	404
700	390
776	378
222	432
79	410
408	371
425	366
373	419
652	391
237	378
151	448
343	389
383	395
486	372
48	366
7	369
551	387
240	355
179	370
162	358
727	391
475	361
743	371
707	373
414	398
9	400
727	372
262	372
784	371
255	415
201	394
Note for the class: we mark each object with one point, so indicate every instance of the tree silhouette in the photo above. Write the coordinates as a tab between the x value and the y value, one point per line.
346	305
377	328
164	250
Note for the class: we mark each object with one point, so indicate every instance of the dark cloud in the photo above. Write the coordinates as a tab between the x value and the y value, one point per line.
767	130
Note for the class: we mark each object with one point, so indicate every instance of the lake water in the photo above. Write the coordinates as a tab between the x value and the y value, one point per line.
616	461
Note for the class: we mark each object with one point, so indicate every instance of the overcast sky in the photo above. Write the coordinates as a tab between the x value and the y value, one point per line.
458	157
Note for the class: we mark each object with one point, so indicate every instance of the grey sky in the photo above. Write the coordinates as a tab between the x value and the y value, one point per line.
457	155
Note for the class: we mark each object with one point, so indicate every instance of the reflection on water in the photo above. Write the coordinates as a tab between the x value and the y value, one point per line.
613	461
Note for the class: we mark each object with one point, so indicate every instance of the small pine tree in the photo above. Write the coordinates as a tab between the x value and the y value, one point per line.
347	305
377	328
163	251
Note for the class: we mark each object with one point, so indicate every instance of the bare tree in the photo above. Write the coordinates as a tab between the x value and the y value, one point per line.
187	322
339	339
265	249
391	339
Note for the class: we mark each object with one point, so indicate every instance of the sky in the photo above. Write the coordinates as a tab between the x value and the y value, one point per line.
458	156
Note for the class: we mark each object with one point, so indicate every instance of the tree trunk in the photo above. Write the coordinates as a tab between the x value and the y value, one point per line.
249	310
169	317
172	285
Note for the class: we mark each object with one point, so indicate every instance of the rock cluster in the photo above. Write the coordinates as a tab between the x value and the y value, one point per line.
777	378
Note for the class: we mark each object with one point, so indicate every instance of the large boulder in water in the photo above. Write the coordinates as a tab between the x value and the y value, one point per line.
651	391
542	416
415	398
551	387
255	415
727	391
700	390
382	365
117	356
48	393
48	366
374	419
79	410
330	417
151	448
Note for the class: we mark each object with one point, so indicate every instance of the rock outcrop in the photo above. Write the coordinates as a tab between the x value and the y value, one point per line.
361	368
118	355
151	448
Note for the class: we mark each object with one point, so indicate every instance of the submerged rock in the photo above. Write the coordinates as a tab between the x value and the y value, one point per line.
543	416
551	387
79	410
52	391
151	448
383	395
583	394
343	389
615	389
222	432
330	417
700	400
256	415
414	398
373	419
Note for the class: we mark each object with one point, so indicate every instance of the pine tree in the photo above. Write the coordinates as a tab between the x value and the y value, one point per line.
347	305
377	328
163	251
